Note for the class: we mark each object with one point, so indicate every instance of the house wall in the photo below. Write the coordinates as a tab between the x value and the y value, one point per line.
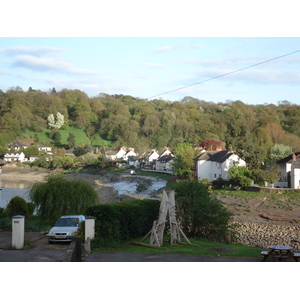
213	170
206	169
228	164
295	178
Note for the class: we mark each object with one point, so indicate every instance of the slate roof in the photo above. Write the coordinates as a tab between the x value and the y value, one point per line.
217	156
288	159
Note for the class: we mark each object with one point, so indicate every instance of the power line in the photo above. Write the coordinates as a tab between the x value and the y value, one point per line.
225	74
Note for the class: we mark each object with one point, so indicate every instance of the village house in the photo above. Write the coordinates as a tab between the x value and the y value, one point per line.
164	163
14	157
44	148
115	154
216	164
17	146
288	169
130	154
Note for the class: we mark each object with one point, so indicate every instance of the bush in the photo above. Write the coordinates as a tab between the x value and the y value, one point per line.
122	220
30	208
200	215
16	206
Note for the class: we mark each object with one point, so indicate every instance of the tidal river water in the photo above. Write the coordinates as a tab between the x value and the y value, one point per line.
11	189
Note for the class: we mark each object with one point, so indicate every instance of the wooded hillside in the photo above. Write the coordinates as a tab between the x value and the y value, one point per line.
121	120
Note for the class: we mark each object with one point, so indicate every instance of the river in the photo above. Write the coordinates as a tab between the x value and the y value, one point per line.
21	188
11	189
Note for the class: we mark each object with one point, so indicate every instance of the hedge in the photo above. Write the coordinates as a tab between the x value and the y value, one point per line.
120	221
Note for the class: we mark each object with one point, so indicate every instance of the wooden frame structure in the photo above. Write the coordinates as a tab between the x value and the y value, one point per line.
167	209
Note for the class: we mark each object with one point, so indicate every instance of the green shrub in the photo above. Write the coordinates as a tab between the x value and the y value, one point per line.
16	206
200	215
30	208
2	212
122	220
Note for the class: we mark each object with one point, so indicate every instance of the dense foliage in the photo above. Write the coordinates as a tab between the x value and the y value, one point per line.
142	123
58	196
18	206
200	214
122	220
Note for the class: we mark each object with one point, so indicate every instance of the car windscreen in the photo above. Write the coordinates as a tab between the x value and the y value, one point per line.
69	222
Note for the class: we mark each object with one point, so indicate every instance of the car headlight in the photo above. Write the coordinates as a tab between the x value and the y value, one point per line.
51	233
70	233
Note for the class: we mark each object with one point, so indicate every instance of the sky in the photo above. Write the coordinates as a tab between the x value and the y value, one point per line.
214	65
153	67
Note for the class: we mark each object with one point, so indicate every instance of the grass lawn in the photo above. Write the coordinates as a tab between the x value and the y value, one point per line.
202	250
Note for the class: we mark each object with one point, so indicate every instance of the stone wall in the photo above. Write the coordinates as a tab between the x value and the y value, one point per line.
271	190
265	235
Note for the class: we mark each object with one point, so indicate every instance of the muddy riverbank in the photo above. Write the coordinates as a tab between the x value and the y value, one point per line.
110	187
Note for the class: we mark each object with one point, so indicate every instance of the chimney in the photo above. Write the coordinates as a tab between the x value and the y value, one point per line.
294	156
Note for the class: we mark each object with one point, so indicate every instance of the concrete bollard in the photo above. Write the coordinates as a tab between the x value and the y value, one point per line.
89	227
18	228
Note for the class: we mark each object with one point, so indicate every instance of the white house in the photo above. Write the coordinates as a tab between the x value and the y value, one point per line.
164	163
166	151
288	169
216	164
129	154
14	157
152	156
44	148
17	146
115	154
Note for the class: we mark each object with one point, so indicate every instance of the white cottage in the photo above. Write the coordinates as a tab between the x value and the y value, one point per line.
216	164
288	169
14	157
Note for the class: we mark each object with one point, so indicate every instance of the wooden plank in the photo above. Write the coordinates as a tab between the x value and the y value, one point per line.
148	245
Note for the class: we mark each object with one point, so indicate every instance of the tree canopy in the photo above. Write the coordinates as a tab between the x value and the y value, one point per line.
58	196
249	130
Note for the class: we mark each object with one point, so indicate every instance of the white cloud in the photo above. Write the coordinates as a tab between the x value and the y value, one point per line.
162	49
49	64
35	51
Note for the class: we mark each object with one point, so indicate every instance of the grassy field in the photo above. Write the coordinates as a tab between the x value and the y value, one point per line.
81	137
206	248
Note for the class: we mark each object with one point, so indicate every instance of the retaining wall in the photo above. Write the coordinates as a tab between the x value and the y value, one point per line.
265	235
271	190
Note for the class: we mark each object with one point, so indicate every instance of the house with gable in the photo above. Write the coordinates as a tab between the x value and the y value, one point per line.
17	146
129	155
14	157
164	161
216	164
115	154
44	148
288	169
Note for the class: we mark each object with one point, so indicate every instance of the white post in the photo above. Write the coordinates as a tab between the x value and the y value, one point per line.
89	227
18	229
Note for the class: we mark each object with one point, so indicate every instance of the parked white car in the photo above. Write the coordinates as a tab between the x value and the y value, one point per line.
64	228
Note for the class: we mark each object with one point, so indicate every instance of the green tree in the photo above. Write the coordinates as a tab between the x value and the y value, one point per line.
31	150
240	175
71	140
78	151
58	196
200	215
16	206
185	154
57	137
278	152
